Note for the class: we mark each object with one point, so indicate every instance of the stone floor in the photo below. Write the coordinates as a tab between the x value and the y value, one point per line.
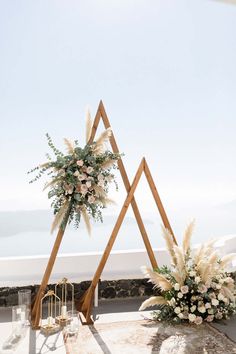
108	312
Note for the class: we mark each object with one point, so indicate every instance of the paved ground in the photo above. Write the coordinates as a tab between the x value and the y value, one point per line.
107	312
227	327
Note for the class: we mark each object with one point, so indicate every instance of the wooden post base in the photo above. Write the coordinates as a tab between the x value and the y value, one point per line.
85	319
84	306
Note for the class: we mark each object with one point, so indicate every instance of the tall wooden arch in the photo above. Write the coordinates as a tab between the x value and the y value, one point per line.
85	304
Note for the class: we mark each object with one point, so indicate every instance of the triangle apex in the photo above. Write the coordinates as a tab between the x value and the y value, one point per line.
101	103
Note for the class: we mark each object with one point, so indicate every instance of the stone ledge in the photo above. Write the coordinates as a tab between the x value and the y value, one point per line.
107	289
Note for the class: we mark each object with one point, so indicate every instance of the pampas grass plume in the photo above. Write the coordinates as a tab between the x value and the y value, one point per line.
69	145
157	279
169	243
59	216
86	220
88	126
187	236
152	301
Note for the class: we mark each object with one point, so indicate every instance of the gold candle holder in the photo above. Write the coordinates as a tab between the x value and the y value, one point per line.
52	301
64	319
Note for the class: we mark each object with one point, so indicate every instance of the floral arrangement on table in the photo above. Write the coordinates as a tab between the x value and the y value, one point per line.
196	288
79	180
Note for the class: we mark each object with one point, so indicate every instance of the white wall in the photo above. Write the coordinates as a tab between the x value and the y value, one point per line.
19	271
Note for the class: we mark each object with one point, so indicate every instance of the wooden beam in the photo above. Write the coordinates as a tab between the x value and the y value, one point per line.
158	200
35	313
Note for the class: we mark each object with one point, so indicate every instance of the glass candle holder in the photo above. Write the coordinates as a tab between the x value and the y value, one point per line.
18	320
24	298
18	329
72	328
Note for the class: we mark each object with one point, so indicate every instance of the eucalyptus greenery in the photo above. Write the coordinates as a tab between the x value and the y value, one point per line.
79	180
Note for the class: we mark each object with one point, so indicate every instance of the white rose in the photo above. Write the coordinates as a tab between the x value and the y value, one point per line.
184	289
208	305
191	317
210	311
192	273
177	286
180	315
80	162
197	280
88	184
212	296
218	286
84	188
82	177
172	301
91	199
215	302
89	169
210	318
221	297
221	281
202	288
198	320
177	310
193	308
100	177
218	316
180	295
202	309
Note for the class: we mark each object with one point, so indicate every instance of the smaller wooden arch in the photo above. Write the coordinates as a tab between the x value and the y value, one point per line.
86	301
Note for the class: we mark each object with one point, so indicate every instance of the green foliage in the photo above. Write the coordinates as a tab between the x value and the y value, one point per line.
75	179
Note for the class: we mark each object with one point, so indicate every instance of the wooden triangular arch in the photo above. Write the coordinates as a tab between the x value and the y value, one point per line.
86	302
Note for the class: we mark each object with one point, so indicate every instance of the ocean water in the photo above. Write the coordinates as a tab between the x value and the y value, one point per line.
40	243
27	233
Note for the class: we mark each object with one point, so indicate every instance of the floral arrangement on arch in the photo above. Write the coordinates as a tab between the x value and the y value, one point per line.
80	179
196	288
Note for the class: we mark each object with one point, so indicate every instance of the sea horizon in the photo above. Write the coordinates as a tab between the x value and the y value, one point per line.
27	233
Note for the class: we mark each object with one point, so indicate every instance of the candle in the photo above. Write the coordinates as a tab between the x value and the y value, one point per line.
72	327
50	321
18	328
64	311
22	317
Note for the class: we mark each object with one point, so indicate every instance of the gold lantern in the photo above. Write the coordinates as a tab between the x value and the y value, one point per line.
53	305
66	301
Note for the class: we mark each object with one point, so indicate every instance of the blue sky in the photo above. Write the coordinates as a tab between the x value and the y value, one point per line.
164	69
